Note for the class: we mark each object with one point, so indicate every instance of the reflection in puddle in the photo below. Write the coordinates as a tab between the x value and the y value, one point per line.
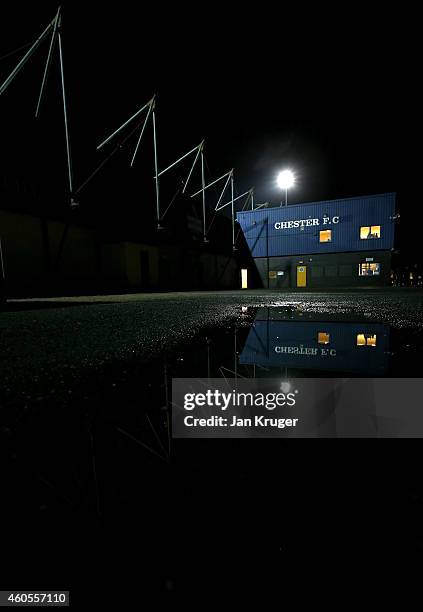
287	340
81	421
284	339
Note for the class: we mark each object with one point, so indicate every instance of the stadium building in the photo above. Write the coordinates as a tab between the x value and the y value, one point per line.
346	242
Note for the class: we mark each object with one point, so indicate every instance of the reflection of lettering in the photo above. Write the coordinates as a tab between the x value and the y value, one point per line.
331	352
305	350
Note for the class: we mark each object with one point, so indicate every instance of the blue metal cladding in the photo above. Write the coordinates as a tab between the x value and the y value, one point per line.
295	230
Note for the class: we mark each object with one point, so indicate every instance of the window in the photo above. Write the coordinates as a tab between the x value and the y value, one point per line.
325	235
272	273
323	338
369	231
368	269
366	339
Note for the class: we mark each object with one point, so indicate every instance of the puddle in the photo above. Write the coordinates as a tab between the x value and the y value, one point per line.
85	424
291	342
81	441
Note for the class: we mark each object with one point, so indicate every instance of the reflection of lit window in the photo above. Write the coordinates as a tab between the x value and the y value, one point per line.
366	339
323	338
369	269
369	231
325	235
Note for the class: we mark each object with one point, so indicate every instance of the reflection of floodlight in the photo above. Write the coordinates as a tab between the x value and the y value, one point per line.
286	180
285	387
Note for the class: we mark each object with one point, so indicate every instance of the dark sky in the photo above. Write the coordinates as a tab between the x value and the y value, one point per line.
331	94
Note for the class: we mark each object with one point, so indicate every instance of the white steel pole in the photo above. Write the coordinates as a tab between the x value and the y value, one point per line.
25	58
213	183
204	196
200	149
48	62
237	198
151	102
233	211
3	274
141	135
216	208
65	114
156	170
179	160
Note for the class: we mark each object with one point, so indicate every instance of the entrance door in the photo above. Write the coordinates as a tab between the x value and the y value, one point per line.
244	278
145	269
301	276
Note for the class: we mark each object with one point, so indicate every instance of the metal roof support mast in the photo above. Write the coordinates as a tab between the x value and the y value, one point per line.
48	62
199	150
27	55
228	176
65	112
249	194
151	106
156	170
204	195
55	27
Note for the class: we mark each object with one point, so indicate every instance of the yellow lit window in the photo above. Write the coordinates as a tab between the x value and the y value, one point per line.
323	338
366	339
325	235
369	231
369	269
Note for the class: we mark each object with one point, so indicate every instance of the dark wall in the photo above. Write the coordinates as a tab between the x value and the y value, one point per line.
45	257
334	270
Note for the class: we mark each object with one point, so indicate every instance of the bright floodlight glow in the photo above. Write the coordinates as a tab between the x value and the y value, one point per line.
285	179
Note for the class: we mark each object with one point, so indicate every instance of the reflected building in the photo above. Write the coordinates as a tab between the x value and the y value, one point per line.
287	339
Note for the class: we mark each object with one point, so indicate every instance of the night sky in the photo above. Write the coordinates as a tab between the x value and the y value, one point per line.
331	95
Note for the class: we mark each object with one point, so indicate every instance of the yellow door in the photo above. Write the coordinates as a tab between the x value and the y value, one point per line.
301	276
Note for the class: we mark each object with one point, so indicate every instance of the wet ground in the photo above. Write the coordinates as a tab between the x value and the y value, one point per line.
88	459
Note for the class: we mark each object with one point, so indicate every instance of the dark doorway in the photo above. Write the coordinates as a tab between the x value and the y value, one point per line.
145	269
165	277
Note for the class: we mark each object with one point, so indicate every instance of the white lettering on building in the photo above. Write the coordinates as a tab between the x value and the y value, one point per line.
301	223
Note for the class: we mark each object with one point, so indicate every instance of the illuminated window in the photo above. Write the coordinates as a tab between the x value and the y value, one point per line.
366	339
369	231
325	235
368	269
323	338
272	273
